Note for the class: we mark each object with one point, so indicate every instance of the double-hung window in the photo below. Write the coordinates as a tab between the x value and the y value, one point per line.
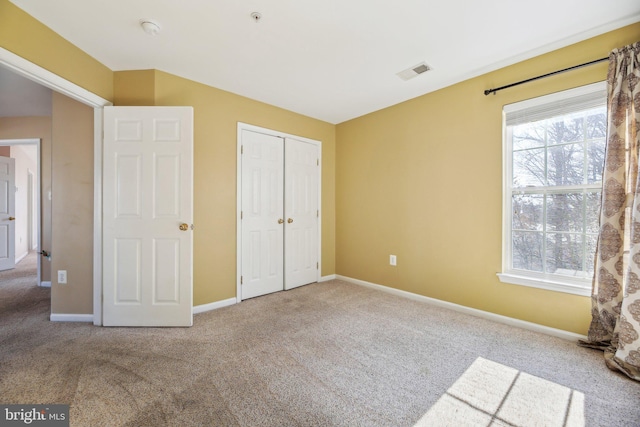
553	151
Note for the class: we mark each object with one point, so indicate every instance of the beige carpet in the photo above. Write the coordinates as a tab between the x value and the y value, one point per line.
329	354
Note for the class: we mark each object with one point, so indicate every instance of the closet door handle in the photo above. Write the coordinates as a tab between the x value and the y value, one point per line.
290	220
280	221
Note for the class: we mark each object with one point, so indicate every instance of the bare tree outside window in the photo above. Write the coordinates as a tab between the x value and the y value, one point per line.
556	178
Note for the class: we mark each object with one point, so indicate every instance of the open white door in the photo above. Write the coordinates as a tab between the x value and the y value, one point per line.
7	213
148	216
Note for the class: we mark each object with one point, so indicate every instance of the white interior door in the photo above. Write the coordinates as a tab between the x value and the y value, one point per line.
262	214
148	216
7	213
301	212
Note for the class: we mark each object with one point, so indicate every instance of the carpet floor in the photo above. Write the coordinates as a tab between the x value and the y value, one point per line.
326	354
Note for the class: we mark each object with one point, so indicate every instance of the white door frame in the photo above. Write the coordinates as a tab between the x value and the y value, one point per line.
36	142
245	126
46	78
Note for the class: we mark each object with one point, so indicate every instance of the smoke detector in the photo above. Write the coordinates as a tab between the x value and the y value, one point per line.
150	27
414	71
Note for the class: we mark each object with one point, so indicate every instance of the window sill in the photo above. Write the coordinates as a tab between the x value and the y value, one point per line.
548	284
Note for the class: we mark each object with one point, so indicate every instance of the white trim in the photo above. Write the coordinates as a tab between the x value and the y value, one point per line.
97	216
559	333
48	79
547	284
21	257
203	308
244	126
46	284
327	278
71	318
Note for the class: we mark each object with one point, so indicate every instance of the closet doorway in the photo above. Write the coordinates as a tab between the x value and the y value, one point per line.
278	211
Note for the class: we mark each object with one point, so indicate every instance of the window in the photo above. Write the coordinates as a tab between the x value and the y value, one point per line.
553	158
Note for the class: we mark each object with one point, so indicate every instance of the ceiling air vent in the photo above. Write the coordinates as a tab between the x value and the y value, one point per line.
410	73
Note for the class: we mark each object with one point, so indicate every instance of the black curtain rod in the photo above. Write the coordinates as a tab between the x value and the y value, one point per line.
488	91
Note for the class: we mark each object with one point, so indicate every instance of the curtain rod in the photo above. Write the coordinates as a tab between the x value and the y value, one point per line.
488	91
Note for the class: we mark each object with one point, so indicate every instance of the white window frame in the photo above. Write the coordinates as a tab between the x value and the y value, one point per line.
555	102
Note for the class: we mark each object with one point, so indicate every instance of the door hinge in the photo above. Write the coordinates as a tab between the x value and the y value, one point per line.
242	149
318	213
241	280
318	162
241	214
317	265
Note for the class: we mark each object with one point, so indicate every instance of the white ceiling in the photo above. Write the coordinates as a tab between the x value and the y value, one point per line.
329	59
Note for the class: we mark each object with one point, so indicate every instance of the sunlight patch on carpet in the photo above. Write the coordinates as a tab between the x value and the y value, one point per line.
491	394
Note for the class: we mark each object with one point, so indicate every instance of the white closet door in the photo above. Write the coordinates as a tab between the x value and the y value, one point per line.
262	214
301	212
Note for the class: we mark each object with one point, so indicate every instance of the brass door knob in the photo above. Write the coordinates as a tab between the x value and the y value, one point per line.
280	221
11	218
290	220
184	227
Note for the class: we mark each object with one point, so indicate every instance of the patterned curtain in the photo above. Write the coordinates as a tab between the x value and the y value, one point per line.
615	326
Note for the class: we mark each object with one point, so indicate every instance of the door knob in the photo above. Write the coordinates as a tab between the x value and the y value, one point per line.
290	220
280	221
11	218
184	227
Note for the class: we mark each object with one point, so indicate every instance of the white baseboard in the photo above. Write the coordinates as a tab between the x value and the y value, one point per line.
71	318
21	257
327	278
45	284
571	336
213	306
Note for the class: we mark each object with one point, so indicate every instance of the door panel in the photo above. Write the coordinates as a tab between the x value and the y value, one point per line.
262	241
148	194
7	213
301	211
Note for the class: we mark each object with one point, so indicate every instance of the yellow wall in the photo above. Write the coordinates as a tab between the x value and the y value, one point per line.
423	180
216	116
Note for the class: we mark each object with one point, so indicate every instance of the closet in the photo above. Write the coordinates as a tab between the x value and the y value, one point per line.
279	212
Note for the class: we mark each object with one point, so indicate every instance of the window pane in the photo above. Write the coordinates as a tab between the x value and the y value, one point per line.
597	123
527	250
593	200
565	212
569	128
564	254
595	160
528	168
528	135
527	211
566	164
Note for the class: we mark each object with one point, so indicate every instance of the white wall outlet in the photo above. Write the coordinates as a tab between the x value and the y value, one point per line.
62	277
392	260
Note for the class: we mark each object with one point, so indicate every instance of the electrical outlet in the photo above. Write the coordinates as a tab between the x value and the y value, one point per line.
392	260
62	277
